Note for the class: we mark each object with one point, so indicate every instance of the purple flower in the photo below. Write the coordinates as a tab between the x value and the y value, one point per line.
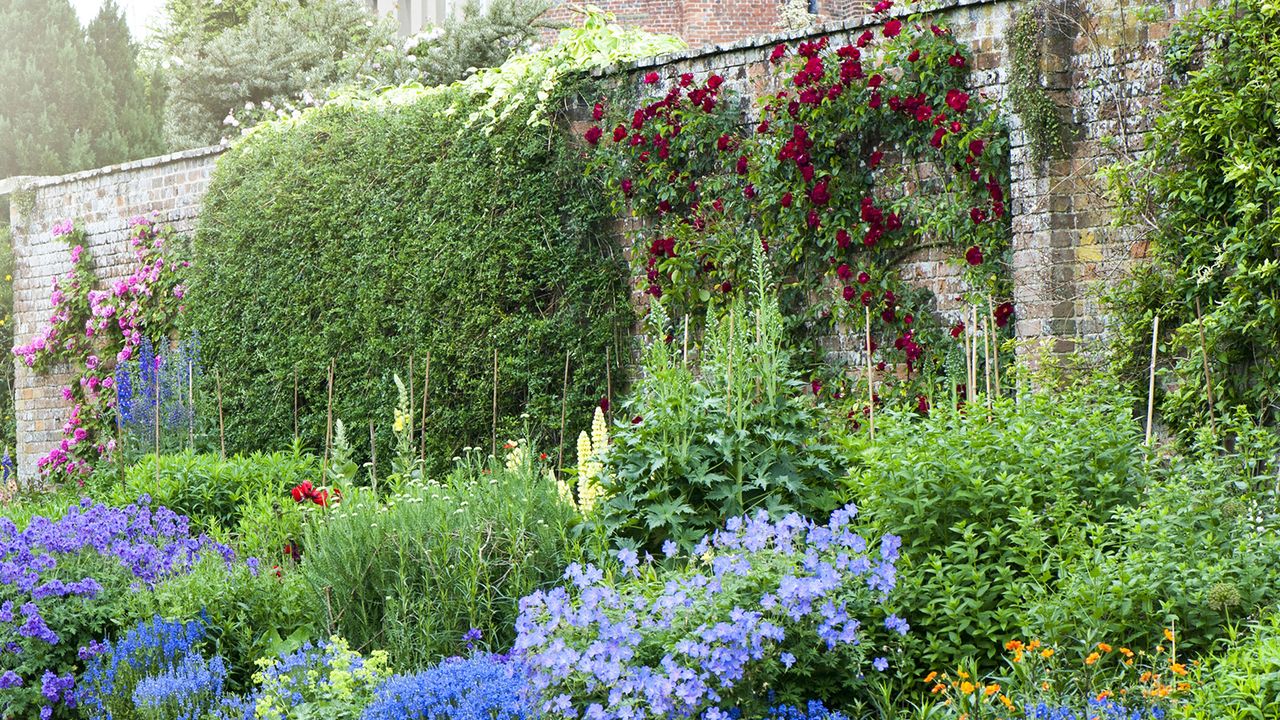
896	624
880	664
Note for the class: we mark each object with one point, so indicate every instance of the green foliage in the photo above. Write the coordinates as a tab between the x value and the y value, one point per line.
991	510
1140	577
1206	187
1040	116
331	682
71	97
415	573
368	232
699	442
1242	682
8	420
247	615
476	36
217	493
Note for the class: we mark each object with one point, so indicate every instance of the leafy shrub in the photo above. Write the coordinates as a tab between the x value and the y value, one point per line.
992	509
415	573
482	686
697	445
1241	682
1199	187
322	681
1140	577
65	583
214	492
372	190
792	606
248	611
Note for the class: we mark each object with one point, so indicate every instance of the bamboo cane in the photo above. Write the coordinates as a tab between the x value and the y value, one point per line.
155	374
373	459
295	403
995	343
871	378
328	427
1151	382
986	365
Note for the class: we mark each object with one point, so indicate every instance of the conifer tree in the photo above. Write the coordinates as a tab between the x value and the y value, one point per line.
130	124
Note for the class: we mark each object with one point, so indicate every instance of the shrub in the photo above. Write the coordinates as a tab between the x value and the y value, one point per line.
323	681
463	243
697	445
991	509
214	492
416	573
793	607
1241	682
482	686
65	584
1139	576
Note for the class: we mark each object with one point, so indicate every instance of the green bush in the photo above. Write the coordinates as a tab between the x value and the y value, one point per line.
228	494
367	232
1199	552
702	441
992	509
412	575
1242	683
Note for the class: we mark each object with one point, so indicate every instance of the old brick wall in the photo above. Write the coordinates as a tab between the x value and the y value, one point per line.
102	202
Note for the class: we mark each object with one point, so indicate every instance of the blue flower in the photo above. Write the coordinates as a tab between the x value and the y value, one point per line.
484	686
880	664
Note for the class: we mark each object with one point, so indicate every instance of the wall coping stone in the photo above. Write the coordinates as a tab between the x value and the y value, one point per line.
33	182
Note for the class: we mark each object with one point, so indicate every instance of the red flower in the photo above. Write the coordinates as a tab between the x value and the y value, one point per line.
749	191
842	238
714	82
303	491
976	147
866	298
958	101
874	160
593	135
651	78
725	287
786	199
875	81
655	290
957	330
686	79
820	195
977	215
893	27
863	278
637	420
597	112
626	186
321	498
849	293
956	61
812	220
914	56
619	134
874	102
922	405
741	167
724	142
604	404
865	38
848	52
844	272
762	128
816	386
1003	312
938	134
779	52
973	255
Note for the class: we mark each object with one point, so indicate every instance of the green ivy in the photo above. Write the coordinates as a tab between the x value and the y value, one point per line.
1207	189
1040	119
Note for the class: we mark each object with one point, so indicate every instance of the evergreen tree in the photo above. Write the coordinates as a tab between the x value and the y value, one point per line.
131	125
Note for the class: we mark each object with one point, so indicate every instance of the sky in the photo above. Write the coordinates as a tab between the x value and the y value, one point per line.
142	15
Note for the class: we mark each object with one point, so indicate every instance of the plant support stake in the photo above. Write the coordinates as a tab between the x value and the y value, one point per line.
871	378
1151	382
1208	379
493	438
373	460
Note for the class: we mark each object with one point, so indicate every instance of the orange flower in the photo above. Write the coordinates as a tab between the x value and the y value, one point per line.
1104	695
962	674
966	687
991	690
1104	647
938	688
1007	702
1013	645
1183	686
1126	652
1034	644
1046	653
1168	634
930	677
1178	669
1093	658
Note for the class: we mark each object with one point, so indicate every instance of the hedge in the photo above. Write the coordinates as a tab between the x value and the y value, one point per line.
367	232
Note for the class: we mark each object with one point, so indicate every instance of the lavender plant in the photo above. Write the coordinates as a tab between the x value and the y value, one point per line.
60	586
761	605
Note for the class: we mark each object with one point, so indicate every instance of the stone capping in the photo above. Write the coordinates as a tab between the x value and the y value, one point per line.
900	11
13	184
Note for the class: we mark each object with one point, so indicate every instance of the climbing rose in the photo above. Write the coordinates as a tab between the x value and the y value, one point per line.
956	61
976	147
786	199
973	255
593	134
597	112
820	194
874	160
957	330
863	278
892	28
651	78
958	101
619	134
779	51
849	293
914	56
842	238
714	82
844	272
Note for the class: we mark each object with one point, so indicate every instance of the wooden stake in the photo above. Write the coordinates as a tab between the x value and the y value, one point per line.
426	388
995	342
608	379
493	439
564	399
373	459
973	354
1208	379
1151	382
155	374
295	403
222	433
986	366
685	353
871	377
728	407
191	406
412	397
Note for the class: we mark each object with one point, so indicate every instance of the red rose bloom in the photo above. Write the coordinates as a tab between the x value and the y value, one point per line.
938	134
741	167
893	27
749	191
842	238
726	286
922	405
865	38
977	215
863	278
626	186
651	78
874	102
976	147
957	330
786	199
844	272
875	80
973	255
820	195
874	160
597	112
956	61
779	52
866	298
812	220
1003	312
619	134
593	135
686	79
849	293
958	101
914	56
714	82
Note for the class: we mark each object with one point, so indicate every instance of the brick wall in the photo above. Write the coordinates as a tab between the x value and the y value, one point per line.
1101	62
101	201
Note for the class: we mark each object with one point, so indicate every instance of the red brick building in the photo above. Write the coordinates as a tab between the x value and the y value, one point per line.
706	22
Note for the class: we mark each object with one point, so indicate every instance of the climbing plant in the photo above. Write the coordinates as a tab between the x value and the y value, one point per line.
872	150
1041	122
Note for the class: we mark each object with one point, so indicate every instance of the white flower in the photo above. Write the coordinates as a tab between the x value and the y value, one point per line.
249	105
231	120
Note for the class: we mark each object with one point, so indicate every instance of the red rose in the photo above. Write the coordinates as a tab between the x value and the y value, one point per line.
864	39
956	61
973	255
844	272
725	287
842	238
714	82
893	27
866	298
874	102
724	142
749	191
874	160
977	215
820	195
875	80
593	135
786	199
626	186
812	220
958	101
619	134
848	52
741	167
816	386
651	78
597	112
686	79
779	52
922	405
655	290
604	404
762	128
849	293
1003	312
863	278
914	56
957	330
976	147
938	134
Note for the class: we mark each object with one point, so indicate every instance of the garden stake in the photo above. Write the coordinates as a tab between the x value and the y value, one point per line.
1151	383
156	376
871	384
295	404
995	343
986	366
1208	379
426	388
684	354
328	428
191	405
972	390
608	379
412	397
728	400
564	398
373	460
222	433
493	438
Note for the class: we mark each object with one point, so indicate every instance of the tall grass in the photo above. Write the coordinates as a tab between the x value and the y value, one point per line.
415	573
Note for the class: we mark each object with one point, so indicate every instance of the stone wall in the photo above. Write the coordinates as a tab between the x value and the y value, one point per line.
1101	62
102	202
